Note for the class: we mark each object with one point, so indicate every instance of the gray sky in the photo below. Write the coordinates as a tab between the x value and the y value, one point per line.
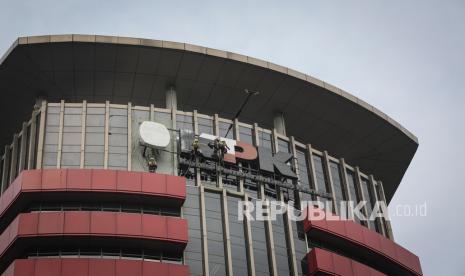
406	57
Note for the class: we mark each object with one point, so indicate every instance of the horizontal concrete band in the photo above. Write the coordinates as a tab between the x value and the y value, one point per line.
93	267
357	240
168	230
324	262
168	189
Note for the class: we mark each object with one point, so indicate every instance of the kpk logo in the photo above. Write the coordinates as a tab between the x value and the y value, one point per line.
222	150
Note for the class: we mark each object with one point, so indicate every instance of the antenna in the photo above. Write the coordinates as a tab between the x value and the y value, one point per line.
249	93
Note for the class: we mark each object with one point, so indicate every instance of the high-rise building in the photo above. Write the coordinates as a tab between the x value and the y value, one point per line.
85	193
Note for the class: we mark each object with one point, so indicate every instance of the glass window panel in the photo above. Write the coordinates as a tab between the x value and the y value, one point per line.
369	201
223	127
339	191
95	139
246	134
205	125
320	175
264	139
184	122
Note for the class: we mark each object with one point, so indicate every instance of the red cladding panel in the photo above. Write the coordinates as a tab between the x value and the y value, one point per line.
77	222
177	270
74	267
342	265
79	179
24	267
128	224
154	183
156	269
102	267
129	181
176	186
355	235
32	180
92	180
102	222
93	267
177	229
28	224
54	179
126	267
48	267
51	223
371	239
323	260
103	180
354	231
154	226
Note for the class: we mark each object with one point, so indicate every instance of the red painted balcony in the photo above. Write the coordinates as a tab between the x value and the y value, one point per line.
64	228
364	244
73	184
322	262
93	267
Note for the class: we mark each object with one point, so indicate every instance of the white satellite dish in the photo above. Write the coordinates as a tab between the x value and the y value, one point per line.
154	134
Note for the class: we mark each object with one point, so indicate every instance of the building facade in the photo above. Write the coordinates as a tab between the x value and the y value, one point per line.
78	197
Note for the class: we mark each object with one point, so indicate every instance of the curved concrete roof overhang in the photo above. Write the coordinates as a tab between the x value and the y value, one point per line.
121	69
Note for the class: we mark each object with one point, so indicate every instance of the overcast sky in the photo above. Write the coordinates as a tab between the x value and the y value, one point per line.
406	57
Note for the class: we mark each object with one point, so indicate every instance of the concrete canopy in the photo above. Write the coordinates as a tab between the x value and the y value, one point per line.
121	70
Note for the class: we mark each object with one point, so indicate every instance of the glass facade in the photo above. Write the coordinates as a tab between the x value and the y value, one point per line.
102	132
339	190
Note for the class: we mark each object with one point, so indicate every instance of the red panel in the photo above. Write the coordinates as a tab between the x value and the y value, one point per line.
354	235
324	260
177	228
129	181
178	270
336	226
32	180
101	267
7	198
48	267
154	183
54	179
93	267
176	185
51	223
360	269
103	180
155	269
74	267
102	222
342	265
128	224
77	222
354	231
79	179
126	268
371	239
389	248
154	226
28	224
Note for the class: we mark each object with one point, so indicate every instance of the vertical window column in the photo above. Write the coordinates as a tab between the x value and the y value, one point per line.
72	137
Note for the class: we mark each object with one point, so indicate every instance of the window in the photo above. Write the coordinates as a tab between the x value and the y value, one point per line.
72	131
52	126
184	122
339	191
320	175
223	127
95	140
205	125
264	139
246	134
118	139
